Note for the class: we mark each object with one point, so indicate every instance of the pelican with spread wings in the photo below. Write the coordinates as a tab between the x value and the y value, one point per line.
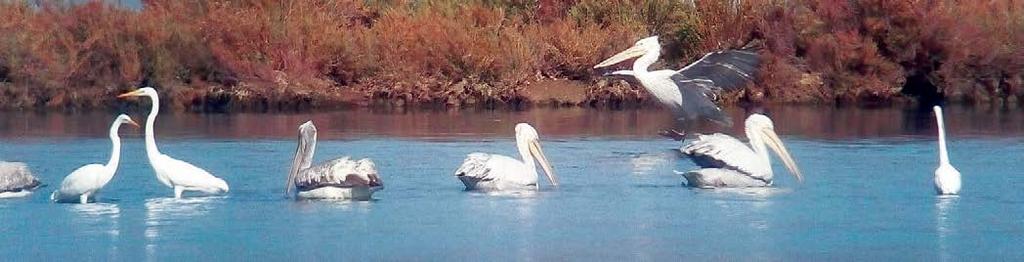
689	92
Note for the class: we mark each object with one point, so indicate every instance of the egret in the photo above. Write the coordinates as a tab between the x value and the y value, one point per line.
83	183
176	174
947	178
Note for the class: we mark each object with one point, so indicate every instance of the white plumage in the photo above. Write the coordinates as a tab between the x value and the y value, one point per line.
690	92
340	178
483	171
727	162
176	174
83	183
16	180
947	178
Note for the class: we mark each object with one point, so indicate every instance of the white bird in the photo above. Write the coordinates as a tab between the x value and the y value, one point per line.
689	92
83	183
482	171
947	178
176	174
340	178
16	180
727	162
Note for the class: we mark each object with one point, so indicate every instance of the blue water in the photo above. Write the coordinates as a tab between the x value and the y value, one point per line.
863	198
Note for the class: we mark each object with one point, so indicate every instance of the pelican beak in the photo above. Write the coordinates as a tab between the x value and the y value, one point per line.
632	52
303	157
620	73
775	143
132	122
538	153
130	94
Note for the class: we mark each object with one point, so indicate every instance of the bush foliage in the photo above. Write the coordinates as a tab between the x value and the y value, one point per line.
487	51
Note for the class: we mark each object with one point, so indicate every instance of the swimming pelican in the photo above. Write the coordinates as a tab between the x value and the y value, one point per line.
689	92
727	162
497	172
176	174
16	180
341	178
947	178
84	182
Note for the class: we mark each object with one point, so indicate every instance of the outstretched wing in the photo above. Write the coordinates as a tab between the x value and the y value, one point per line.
700	82
727	69
698	100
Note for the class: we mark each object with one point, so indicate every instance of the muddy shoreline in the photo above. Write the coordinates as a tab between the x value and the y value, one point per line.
604	94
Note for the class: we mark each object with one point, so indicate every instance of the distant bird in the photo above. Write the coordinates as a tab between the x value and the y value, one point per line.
727	162
83	183
176	174
482	171
947	178
16	180
341	178
689	92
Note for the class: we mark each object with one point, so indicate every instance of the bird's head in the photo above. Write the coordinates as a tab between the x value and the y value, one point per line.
641	47
145	91
761	130
528	142
125	119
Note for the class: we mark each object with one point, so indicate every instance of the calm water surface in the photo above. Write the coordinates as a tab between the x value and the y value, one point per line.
867	193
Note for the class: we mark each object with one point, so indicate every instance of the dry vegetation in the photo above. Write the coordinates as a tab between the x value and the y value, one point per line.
262	54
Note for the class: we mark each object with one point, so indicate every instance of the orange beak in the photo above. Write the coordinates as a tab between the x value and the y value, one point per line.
132	122
129	94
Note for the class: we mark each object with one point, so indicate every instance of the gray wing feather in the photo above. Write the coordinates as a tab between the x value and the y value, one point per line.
475	166
727	69
15	176
334	173
722	151
698	100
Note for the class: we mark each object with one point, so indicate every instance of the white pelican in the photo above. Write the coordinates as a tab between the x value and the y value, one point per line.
16	180
727	162
176	174
83	183
689	92
341	178
947	178
497	172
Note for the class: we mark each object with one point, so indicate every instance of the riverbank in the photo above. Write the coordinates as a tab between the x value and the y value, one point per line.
272	55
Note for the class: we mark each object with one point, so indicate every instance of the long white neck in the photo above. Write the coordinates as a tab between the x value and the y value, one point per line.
641	64
943	155
115	154
307	159
112	165
757	144
151	150
524	151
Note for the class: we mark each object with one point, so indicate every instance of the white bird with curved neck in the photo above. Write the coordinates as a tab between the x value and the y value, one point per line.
84	183
179	175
